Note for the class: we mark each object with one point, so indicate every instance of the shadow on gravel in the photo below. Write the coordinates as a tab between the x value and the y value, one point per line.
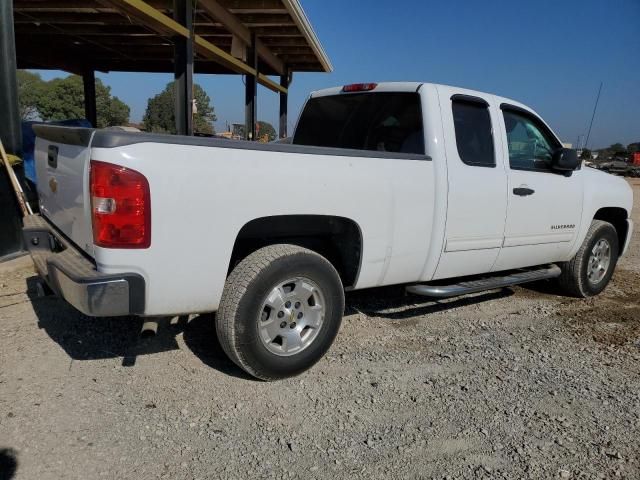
543	287
82	337
394	304
89	338
8	463
201	338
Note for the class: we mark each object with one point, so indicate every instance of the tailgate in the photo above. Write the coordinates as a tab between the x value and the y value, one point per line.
62	157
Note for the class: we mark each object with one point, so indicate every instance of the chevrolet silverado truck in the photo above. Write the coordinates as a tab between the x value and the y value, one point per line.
444	190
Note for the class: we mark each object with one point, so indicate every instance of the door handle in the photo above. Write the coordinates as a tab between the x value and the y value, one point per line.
523	191
52	156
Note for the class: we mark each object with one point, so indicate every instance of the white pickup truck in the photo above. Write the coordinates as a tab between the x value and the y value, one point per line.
446	190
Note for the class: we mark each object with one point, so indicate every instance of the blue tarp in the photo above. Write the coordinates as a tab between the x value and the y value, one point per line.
29	142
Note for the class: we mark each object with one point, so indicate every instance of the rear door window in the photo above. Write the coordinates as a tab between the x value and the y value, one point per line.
474	135
384	121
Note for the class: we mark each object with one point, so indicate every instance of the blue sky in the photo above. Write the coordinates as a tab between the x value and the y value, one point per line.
550	55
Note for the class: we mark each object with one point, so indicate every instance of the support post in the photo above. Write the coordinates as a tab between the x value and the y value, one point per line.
284	98
10	132
90	111
250	97
183	63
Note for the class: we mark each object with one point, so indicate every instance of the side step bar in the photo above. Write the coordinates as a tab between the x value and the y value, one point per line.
488	283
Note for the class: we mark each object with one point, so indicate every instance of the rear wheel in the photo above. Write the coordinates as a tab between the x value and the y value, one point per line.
589	272
280	311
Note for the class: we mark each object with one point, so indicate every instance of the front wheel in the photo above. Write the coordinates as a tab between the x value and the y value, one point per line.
589	272
280	311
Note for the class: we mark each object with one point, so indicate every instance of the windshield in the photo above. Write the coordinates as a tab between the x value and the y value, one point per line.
385	121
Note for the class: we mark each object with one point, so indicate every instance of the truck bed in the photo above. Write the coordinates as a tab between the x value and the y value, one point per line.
205	190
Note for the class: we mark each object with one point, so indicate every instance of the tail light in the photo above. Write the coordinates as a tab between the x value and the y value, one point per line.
359	87
120	206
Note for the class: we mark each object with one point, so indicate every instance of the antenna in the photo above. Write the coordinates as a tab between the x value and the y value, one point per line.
593	116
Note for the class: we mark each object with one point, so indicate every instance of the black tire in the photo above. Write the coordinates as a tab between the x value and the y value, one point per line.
242	300
574	280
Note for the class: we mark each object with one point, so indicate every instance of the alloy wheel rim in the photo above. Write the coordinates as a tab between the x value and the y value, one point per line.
599	261
291	316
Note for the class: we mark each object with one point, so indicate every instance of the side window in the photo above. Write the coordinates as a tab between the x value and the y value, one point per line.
531	146
474	135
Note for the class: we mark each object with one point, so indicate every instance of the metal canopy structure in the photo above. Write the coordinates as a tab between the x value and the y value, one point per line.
258	39
139	36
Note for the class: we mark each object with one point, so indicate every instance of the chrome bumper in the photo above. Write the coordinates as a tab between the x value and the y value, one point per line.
74	277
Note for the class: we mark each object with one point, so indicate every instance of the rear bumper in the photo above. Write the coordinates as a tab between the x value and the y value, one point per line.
74	277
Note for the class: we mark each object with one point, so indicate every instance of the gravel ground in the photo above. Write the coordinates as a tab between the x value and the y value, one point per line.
517	383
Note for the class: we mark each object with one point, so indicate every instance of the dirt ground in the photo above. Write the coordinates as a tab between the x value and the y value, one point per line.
517	383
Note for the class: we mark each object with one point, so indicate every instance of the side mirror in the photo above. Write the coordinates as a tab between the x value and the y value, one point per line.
565	160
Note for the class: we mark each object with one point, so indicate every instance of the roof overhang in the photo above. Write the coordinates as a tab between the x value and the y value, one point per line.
138	36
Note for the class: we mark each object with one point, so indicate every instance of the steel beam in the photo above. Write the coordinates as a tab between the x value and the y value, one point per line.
90	111
161	23
250	98
10	132
9	111
284	82
183	62
236	27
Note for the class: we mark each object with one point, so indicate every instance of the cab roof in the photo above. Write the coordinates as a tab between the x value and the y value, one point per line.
415	86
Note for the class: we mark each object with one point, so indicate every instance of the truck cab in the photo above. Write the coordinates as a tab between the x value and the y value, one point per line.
509	203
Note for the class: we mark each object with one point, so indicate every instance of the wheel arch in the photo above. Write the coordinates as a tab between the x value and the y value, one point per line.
616	216
339	239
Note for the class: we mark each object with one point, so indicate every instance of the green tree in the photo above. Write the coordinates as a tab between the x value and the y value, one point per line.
618	147
586	154
111	110
160	113
633	147
603	154
30	88
63	99
265	128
